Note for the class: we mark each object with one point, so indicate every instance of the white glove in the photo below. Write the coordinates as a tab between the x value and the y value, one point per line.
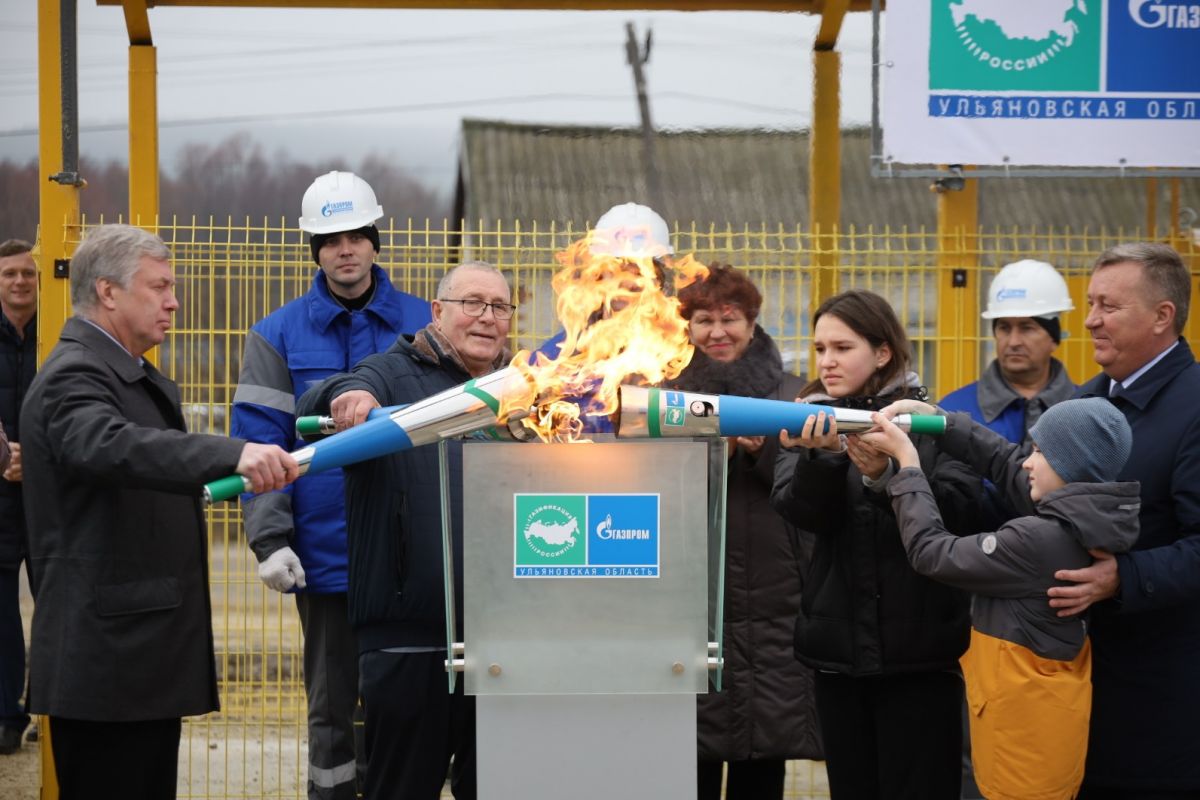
282	570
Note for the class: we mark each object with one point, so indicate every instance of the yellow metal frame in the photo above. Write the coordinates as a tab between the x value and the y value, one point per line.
63	203
825	151
957	360
810	6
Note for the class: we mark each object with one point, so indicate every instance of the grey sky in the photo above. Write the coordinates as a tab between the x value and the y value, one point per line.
321	83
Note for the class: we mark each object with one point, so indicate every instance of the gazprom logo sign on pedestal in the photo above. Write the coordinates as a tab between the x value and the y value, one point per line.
586	535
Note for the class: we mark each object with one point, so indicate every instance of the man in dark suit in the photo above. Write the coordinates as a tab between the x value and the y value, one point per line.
1145	623
122	632
18	360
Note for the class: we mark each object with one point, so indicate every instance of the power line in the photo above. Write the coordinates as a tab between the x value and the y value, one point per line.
430	106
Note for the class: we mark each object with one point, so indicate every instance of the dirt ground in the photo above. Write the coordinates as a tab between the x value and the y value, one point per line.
256	748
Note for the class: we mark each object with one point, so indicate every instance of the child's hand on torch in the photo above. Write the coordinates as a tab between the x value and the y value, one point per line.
907	407
885	437
870	460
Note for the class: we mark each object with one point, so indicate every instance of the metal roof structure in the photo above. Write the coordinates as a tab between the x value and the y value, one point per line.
729	177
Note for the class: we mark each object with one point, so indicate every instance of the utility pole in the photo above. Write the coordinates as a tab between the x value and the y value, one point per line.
637	56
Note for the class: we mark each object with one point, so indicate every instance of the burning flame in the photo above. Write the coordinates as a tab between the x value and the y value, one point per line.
620	328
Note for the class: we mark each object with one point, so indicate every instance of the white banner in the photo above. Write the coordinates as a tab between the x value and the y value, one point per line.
1100	83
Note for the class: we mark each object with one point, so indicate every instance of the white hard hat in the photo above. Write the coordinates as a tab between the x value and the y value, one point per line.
1027	288
630	230
338	201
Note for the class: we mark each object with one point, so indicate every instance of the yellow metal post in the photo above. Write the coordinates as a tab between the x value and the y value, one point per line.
1151	208
825	152
957	360
1076	351
58	232
143	136
825	175
58	203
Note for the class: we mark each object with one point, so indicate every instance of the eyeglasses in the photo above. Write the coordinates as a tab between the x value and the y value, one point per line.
475	308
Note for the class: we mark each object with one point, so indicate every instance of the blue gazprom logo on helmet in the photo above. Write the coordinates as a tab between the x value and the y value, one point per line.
339	207
1011	294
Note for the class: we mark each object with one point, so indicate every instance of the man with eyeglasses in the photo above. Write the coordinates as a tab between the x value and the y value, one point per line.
299	534
394	517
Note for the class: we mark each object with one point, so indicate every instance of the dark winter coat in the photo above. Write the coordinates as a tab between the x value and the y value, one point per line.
1146	640
864	610
393	508
765	707
18	363
123	626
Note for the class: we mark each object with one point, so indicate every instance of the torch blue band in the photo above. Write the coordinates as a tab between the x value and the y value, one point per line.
372	439
750	416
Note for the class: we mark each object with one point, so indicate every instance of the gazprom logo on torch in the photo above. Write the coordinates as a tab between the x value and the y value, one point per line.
585	536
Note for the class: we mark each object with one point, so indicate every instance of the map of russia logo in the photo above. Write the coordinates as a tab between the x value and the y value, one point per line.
586	536
1042	45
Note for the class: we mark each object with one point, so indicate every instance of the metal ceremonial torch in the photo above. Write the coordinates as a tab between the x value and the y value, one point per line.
662	413
467	409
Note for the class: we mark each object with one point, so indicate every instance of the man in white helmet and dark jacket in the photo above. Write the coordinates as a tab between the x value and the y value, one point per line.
1025	378
629	232
350	312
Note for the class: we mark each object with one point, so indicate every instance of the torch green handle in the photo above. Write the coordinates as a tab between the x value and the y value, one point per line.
225	489
933	424
310	426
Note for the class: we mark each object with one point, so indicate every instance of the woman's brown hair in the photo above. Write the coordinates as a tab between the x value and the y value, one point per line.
872	318
723	286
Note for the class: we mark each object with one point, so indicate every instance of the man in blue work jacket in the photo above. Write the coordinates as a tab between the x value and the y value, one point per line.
299	534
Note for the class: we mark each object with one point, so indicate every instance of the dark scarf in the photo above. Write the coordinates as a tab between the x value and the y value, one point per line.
903	387
433	344
757	373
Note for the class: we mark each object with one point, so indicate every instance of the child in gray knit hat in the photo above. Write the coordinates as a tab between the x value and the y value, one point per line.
1027	670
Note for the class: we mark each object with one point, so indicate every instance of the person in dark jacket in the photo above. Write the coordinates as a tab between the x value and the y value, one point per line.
764	713
1145	625
18	361
884	640
1028	671
394	526
299	534
122	630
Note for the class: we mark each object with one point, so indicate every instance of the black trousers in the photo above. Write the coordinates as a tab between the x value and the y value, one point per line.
414	726
331	685
130	760
892	736
757	779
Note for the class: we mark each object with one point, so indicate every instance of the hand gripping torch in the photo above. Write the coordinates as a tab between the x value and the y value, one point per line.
469	409
662	413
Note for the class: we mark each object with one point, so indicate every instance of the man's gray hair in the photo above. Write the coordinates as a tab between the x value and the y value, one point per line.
111	252
1166	276
476	266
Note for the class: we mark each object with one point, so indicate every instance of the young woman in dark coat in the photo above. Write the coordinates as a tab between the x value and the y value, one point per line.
884	640
764	713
